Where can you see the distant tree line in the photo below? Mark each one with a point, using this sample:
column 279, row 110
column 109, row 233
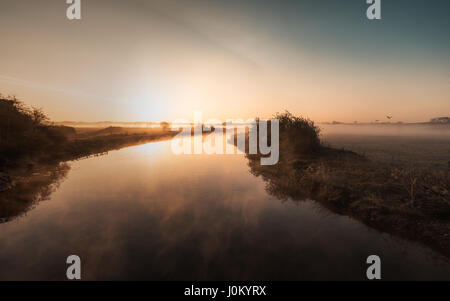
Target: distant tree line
column 440, row 120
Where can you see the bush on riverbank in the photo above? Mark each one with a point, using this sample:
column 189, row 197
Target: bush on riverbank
column 25, row 131
column 298, row 135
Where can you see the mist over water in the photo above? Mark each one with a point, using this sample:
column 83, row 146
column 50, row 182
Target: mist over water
column 144, row 213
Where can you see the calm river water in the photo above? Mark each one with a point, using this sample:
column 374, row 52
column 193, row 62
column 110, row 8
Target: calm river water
column 143, row 213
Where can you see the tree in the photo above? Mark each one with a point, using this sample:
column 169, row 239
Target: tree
column 38, row 116
column 164, row 125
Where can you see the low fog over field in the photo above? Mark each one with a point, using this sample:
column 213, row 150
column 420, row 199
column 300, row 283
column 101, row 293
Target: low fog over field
column 409, row 130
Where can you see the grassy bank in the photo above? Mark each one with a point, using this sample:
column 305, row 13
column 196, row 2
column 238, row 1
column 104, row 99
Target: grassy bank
column 407, row 201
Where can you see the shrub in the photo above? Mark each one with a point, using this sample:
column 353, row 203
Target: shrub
column 25, row 131
column 298, row 135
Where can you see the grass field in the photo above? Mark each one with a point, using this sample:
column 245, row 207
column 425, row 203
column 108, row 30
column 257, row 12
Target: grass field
column 417, row 151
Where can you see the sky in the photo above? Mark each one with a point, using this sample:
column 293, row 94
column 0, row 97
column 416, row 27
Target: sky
column 165, row 59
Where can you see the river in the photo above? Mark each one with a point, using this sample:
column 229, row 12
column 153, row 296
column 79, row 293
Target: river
column 143, row 213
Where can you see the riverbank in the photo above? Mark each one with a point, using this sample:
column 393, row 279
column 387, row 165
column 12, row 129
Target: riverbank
column 82, row 143
column 408, row 202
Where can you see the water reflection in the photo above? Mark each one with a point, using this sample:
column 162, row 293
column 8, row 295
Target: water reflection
column 142, row 213
column 33, row 186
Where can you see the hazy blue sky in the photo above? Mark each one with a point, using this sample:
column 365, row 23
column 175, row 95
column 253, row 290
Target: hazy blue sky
column 160, row 60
